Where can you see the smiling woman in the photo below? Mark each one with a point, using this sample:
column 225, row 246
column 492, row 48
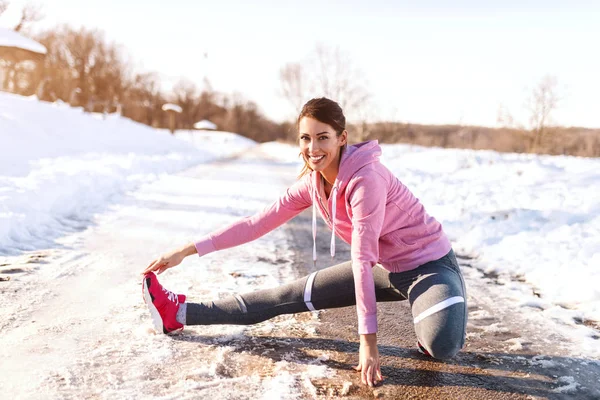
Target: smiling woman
column 322, row 137
column 398, row 251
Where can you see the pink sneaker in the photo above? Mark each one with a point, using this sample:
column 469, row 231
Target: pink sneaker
column 162, row 303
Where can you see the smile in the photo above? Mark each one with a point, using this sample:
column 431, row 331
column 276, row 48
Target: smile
column 319, row 158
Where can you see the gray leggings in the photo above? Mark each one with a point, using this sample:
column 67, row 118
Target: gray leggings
column 435, row 290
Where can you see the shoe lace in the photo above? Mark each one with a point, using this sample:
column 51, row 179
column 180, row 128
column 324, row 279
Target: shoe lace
column 171, row 296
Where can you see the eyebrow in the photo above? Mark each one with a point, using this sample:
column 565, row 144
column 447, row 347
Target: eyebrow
column 320, row 133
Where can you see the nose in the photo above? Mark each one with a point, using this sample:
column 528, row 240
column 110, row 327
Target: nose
column 313, row 145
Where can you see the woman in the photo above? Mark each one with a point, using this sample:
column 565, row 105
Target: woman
column 398, row 251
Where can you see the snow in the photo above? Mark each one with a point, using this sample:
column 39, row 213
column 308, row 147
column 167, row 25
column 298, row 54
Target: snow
column 219, row 144
column 10, row 38
column 205, row 124
column 526, row 217
column 62, row 167
column 570, row 387
column 171, row 107
column 87, row 200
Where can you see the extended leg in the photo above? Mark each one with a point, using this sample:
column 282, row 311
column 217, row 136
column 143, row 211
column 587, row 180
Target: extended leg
column 331, row 287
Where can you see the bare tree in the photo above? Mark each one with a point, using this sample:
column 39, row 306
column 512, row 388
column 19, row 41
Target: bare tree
column 60, row 77
column 328, row 71
column 542, row 102
column 207, row 103
column 144, row 100
column 29, row 14
column 186, row 96
column 107, row 75
column 293, row 85
column 339, row 79
column 242, row 114
column 83, row 69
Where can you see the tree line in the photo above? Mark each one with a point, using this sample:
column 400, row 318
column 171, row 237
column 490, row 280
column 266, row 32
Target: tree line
column 82, row 68
column 85, row 70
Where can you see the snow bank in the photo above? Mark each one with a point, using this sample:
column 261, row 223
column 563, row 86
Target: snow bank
column 60, row 165
column 526, row 217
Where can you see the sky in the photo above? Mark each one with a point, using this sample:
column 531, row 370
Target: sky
column 425, row 63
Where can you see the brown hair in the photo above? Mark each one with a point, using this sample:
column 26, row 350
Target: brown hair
column 326, row 111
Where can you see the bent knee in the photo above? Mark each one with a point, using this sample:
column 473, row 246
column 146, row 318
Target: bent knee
column 444, row 352
column 443, row 349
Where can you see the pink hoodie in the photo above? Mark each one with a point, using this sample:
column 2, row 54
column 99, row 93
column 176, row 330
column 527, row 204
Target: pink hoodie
column 369, row 208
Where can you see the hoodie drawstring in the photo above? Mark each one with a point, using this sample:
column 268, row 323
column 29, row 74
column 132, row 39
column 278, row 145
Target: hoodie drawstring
column 332, row 246
column 314, row 224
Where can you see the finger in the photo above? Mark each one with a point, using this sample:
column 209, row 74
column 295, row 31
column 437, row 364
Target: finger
column 150, row 267
column 378, row 377
column 158, row 265
column 370, row 375
column 357, row 367
column 363, row 376
column 163, row 268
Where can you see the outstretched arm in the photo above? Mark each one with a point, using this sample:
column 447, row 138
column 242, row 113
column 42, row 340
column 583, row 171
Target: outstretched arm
column 296, row 199
column 171, row 259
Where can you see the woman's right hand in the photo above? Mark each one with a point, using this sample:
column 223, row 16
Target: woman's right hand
column 369, row 363
column 170, row 259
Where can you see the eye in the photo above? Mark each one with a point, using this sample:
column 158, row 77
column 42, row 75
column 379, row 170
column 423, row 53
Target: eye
column 323, row 137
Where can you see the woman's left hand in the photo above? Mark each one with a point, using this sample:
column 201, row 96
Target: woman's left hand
column 368, row 362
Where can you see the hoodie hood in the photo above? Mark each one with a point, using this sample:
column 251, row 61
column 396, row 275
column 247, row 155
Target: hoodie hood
column 353, row 158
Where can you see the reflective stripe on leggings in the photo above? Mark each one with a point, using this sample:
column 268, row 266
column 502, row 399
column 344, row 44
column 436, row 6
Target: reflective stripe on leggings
column 241, row 303
column 438, row 307
column 308, row 291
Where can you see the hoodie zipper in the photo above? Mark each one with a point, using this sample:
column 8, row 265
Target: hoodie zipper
column 325, row 209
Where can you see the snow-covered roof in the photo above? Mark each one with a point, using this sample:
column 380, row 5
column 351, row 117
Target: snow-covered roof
column 205, row 124
column 171, row 107
column 9, row 38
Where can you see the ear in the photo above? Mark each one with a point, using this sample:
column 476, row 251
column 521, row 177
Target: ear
column 343, row 138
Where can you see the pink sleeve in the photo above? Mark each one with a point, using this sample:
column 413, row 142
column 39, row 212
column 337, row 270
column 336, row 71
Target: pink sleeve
column 367, row 198
column 295, row 200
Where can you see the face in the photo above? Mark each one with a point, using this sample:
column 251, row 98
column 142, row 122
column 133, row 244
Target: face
column 319, row 144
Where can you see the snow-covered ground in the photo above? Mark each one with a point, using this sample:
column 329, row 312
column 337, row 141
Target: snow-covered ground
column 86, row 201
column 60, row 166
column 526, row 218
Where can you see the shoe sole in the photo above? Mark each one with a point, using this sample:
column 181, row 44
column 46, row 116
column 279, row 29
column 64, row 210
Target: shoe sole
column 424, row 352
column 156, row 319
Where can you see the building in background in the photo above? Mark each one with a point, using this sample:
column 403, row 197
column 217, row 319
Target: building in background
column 20, row 59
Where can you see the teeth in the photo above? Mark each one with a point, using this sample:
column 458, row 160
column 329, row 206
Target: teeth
column 316, row 158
